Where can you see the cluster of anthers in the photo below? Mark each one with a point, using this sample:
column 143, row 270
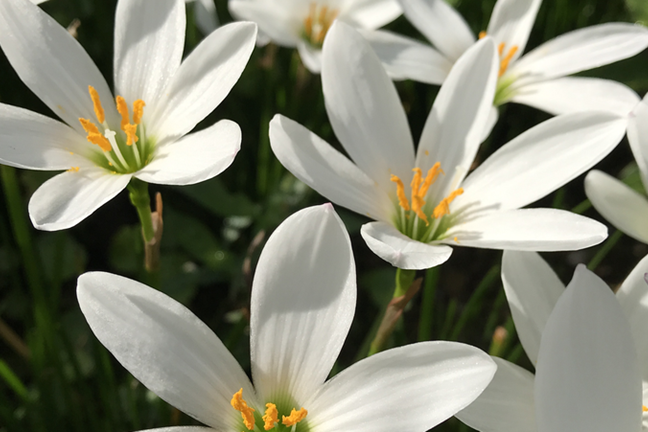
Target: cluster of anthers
column 271, row 416
column 121, row 153
column 317, row 23
column 420, row 187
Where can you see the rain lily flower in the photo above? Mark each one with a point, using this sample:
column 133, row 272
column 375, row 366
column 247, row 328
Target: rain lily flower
column 625, row 208
column 302, row 305
column 537, row 78
column 442, row 205
column 588, row 347
column 104, row 142
column 304, row 23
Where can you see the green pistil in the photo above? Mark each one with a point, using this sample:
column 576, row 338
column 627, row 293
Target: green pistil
column 133, row 162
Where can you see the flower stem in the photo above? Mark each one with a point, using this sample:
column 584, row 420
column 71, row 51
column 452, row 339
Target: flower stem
column 427, row 304
column 151, row 222
column 406, row 288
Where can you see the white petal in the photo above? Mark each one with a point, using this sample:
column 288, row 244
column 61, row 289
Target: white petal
column 542, row 230
column 441, row 24
column 411, row 388
column 204, row 79
column 277, row 23
column 406, row 58
column 364, row 108
column 320, row 166
column 370, row 14
column 532, row 290
column 50, row 62
column 511, row 23
column 310, row 56
column 205, row 16
column 303, row 300
column 149, row 39
column 33, row 141
column 196, row 157
column 633, row 298
column 541, row 160
column 580, row 50
column 623, row 207
column 165, row 346
column 460, row 114
column 638, row 137
column 180, row 429
column 507, row 404
column 66, row 199
column 567, row 95
column 587, row 377
column 401, row 251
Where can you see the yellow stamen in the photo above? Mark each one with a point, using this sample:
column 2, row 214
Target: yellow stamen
column 417, row 198
column 138, row 111
column 122, row 109
column 400, row 192
column 74, row 169
column 444, row 206
column 500, row 48
column 271, row 416
column 456, row 240
column 507, row 59
column 644, row 408
column 430, row 178
column 98, row 109
column 239, row 404
column 131, row 133
column 318, row 22
column 94, row 136
column 294, row 417
column 482, row 34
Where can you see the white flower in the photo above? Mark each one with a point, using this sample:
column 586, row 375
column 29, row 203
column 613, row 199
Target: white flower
column 478, row 210
column 625, row 208
column 101, row 148
column 304, row 23
column 538, row 78
column 302, row 305
column 589, row 349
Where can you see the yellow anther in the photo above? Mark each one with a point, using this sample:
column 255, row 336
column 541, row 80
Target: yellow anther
column 98, row 109
column 294, row 417
column 271, row 416
column 444, row 206
column 430, row 178
column 400, row 192
column 482, row 34
column 122, row 109
column 507, row 59
column 247, row 413
column 500, row 48
column 131, row 133
column 416, row 181
column 94, row 136
column 417, row 197
column 644, row 408
column 456, row 239
column 74, row 169
column 138, row 111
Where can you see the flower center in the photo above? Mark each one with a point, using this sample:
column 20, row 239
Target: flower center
column 409, row 225
column 504, row 91
column 120, row 151
column 317, row 23
column 271, row 417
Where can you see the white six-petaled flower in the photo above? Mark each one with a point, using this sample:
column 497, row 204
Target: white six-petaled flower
column 106, row 141
column 538, row 78
column 304, row 23
column 303, row 301
column 445, row 204
column 588, row 347
column 625, row 208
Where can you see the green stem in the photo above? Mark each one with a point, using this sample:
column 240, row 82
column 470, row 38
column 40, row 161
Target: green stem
column 427, row 304
column 604, row 250
column 404, row 279
column 140, row 198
